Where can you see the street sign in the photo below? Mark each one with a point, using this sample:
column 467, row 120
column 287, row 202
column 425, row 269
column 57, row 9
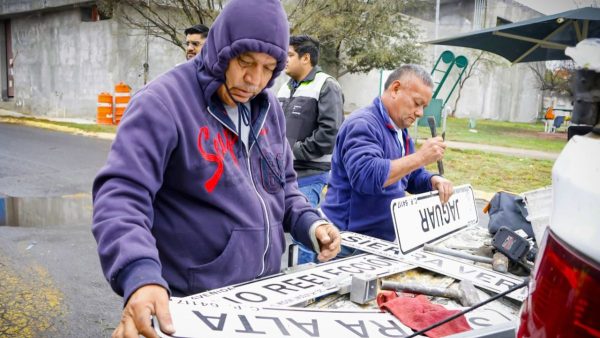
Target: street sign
column 482, row 277
column 219, row 320
column 420, row 219
column 302, row 286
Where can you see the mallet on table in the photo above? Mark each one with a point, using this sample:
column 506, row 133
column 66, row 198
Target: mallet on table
column 465, row 294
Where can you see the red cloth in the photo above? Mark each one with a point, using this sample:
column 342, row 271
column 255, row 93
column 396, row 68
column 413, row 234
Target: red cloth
column 418, row 313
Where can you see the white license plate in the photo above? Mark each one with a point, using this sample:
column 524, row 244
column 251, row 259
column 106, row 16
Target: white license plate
column 420, row 219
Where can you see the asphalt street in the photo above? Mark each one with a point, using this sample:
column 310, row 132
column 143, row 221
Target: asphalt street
column 40, row 162
column 51, row 281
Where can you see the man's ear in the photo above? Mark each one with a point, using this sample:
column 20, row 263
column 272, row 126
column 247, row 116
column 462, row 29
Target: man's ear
column 395, row 87
column 306, row 58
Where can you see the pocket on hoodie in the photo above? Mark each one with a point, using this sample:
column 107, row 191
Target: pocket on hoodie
column 240, row 261
column 272, row 173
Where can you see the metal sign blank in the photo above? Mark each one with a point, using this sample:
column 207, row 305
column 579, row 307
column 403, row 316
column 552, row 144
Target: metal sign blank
column 420, row 219
column 484, row 278
column 218, row 320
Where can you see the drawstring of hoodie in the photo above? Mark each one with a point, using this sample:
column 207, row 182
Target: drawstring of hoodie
column 244, row 116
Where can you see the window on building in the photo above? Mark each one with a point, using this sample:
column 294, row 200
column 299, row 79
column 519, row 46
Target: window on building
column 93, row 13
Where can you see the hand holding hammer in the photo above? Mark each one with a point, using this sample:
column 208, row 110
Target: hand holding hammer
column 431, row 122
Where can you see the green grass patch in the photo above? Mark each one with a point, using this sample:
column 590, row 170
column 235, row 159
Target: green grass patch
column 500, row 133
column 492, row 172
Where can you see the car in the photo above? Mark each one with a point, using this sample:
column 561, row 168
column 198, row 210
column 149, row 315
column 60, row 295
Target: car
column 564, row 289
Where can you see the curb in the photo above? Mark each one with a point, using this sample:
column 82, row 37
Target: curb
column 54, row 127
column 48, row 211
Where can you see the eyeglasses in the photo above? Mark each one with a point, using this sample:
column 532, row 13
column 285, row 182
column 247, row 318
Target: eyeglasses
column 193, row 43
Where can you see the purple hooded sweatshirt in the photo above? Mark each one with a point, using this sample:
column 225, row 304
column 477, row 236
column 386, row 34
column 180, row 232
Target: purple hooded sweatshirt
column 180, row 202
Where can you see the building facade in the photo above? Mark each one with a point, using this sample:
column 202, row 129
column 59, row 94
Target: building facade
column 57, row 56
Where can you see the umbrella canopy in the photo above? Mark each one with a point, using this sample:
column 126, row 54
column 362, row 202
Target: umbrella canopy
column 539, row 39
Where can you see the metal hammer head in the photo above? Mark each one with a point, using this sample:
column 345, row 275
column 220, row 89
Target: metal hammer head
column 363, row 288
column 467, row 293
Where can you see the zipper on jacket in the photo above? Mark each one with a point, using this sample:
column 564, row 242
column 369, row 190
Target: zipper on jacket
column 261, row 200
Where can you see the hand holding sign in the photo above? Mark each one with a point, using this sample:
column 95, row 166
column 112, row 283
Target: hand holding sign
column 420, row 219
column 443, row 186
column 144, row 302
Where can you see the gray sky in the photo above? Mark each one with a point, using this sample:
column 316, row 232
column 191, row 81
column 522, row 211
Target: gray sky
column 549, row 7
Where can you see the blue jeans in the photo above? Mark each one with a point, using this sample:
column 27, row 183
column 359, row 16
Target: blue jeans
column 311, row 187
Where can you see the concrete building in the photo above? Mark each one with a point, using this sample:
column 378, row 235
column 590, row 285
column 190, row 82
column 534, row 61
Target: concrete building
column 496, row 90
column 56, row 56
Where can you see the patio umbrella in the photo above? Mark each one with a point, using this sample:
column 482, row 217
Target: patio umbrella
column 539, row 39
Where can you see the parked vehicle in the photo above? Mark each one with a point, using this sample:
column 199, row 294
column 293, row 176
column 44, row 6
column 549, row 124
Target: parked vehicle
column 564, row 292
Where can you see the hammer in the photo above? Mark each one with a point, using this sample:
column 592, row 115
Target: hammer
column 499, row 262
column 431, row 121
column 466, row 294
column 361, row 287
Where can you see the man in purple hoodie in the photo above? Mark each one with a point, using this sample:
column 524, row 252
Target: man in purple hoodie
column 199, row 184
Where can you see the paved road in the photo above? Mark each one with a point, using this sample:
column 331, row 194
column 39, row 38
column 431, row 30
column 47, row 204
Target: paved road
column 39, row 162
column 51, row 283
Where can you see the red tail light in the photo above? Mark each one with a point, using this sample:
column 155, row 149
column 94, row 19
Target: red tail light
column 564, row 298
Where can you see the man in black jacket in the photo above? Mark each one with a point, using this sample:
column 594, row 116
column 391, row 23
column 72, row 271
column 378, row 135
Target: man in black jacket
column 313, row 105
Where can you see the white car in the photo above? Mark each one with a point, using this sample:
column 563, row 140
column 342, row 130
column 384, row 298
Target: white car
column 564, row 291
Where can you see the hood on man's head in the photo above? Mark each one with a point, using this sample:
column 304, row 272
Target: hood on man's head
column 243, row 26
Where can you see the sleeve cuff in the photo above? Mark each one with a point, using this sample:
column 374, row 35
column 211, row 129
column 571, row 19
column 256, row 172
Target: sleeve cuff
column 137, row 274
column 312, row 232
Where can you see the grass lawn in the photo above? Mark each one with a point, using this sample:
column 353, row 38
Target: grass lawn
column 492, row 172
column 500, row 133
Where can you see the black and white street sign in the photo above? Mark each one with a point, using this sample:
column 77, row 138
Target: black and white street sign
column 218, row 320
column 420, row 219
column 302, row 286
column 484, row 278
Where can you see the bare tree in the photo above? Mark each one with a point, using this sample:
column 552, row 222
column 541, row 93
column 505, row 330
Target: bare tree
column 164, row 19
column 480, row 62
column 358, row 36
column 553, row 80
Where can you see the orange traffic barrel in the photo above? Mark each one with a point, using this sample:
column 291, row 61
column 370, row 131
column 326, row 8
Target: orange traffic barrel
column 122, row 96
column 104, row 114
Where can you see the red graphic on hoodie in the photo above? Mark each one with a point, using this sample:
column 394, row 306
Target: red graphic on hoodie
column 222, row 144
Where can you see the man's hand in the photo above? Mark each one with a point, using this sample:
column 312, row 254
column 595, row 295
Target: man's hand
column 329, row 240
column 144, row 302
column 432, row 150
column 443, row 186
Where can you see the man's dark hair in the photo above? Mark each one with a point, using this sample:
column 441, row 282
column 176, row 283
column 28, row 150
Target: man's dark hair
column 197, row 29
column 304, row 44
column 409, row 69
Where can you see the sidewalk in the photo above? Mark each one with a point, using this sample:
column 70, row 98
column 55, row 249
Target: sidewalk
column 536, row 154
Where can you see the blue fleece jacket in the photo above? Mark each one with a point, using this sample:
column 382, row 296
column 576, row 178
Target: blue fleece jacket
column 180, row 202
column 356, row 199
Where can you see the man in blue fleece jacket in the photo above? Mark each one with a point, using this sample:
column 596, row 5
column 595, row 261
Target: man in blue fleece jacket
column 375, row 161
column 199, row 184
